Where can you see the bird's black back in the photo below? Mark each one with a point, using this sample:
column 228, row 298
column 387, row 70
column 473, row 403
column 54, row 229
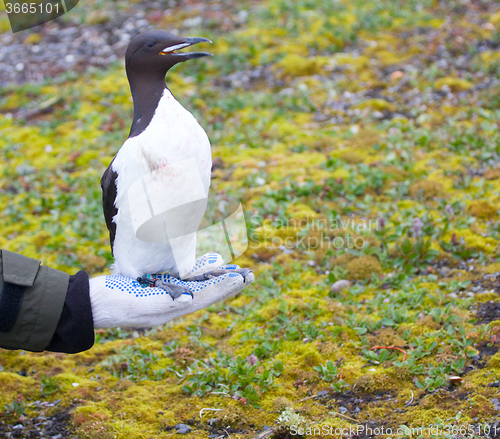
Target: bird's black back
column 108, row 185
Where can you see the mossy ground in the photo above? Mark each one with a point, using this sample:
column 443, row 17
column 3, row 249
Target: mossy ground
column 362, row 137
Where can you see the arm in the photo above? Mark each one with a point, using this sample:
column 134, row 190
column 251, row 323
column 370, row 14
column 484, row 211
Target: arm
column 46, row 309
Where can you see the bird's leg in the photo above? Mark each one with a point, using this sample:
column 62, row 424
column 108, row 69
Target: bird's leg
column 175, row 290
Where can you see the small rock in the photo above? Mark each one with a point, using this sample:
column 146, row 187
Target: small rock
column 340, row 285
column 396, row 76
column 444, row 271
column 323, row 393
column 182, row 428
column 25, row 169
column 495, row 401
column 193, row 22
column 343, row 410
column 242, row 16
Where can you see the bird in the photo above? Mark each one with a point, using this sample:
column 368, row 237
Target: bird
column 166, row 160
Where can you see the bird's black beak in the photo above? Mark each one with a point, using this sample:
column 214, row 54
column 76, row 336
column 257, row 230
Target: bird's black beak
column 172, row 50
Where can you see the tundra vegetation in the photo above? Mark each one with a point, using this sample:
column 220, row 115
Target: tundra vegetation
column 362, row 138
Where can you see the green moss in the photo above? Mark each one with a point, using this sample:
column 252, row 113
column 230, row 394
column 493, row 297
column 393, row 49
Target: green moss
column 482, row 209
column 12, row 385
column 372, row 382
column 297, row 65
column 428, row 189
column 455, row 84
column 363, row 268
column 376, row 104
column 487, row 297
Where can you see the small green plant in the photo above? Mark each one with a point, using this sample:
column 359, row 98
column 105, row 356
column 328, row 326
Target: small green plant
column 233, row 376
column 379, row 357
column 458, row 248
column 329, row 372
column 17, row 406
column 49, row 385
column 415, row 254
column 112, row 334
column 431, row 384
column 266, row 348
column 134, row 363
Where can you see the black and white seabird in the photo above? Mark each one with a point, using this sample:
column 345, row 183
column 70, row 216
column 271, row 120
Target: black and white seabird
column 163, row 135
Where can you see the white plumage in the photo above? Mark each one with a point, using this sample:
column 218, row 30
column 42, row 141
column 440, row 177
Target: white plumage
column 173, row 135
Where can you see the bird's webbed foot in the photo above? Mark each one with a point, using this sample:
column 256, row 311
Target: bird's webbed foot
column 176, row 291
column 220, row 271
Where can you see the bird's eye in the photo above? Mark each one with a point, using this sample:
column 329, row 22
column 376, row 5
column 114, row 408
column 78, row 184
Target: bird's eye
column 150, row 44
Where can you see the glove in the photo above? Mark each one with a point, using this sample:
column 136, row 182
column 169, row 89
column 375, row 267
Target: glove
column 124, row 302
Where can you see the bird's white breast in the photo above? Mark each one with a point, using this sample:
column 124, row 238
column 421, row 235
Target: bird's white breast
column 173, row 135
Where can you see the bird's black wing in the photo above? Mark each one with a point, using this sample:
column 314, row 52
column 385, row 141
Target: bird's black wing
column 108, row 185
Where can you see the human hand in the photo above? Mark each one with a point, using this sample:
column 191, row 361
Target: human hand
column 122, row 301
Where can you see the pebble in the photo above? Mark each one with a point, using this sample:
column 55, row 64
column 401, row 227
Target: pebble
column 343, row 410
column 444, row 271
column 397, row 75
column 340, row 285
column 25, row 169
column 182, row 428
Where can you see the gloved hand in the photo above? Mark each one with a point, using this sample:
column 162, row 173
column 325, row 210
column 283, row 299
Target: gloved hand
column 122, row 301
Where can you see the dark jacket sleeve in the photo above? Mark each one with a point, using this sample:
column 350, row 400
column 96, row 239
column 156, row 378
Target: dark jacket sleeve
column 42, row 308
column 75, row 330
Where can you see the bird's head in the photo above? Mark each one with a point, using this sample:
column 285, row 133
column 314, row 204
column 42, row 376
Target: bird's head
column 156, row 52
